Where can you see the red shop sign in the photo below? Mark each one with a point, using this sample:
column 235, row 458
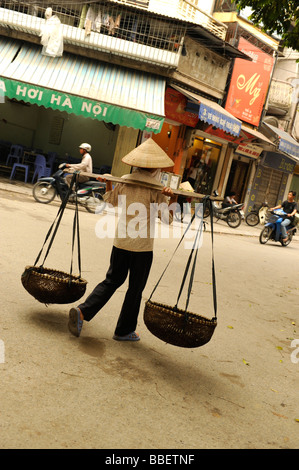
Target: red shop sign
column 249, row 84
column 175, row 108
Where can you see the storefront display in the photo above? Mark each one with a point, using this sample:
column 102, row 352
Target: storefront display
column 201, row 165
column 170, row 179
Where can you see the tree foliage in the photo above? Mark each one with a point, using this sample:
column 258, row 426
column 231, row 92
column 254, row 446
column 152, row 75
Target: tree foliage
column 280, row 17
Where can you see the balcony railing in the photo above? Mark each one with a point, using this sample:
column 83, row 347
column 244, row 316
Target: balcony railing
column 138, row 3
column 103, row 26
column 189, row 10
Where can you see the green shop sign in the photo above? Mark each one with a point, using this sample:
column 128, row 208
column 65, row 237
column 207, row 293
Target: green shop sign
column 80, row 106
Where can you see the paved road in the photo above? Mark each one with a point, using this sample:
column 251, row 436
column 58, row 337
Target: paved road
column 238, row 391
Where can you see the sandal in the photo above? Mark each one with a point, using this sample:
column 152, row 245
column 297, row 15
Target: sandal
column 130, row 337
column 75, row 323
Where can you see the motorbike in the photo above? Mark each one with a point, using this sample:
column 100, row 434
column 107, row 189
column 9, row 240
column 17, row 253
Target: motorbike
column 231, row 215
column 272, row 229
column 257, row 215
column 89, row 194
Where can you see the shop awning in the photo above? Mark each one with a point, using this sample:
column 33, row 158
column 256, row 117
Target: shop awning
column 213, row 113
column 81, row 86
column 256, row 134
column 286, row 143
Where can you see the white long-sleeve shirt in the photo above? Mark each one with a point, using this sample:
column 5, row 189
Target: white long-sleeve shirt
column 85, row 165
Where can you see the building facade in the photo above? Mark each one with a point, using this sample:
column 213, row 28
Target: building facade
column 100, row 71
column 274, row 170
column 113, row 73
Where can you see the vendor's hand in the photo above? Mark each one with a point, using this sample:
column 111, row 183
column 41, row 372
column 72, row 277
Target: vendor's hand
column 167, row 192
column 108, row 183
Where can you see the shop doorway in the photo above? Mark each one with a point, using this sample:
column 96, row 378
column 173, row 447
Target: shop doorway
column 202, row 165
column 237, row 180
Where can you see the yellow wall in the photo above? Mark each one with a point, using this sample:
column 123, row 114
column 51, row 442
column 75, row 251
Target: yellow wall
column 232, row 17
column 167, row 139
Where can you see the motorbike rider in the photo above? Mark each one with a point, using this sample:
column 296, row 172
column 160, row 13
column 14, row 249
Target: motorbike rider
column 85, row 165
column 290, row 208
column 229, row 200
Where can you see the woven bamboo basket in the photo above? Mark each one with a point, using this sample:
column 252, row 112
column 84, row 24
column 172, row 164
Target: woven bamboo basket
column 177, row 327
column 50, row 286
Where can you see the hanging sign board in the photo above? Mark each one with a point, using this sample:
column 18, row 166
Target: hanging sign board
column 80, row 106
column 249, row 84
column 249, row 150
column 176, row 108
column 280, row 162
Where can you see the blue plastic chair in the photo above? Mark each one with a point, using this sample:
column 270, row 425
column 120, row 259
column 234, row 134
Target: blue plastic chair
column 104, row 169
column 14, row 169
column 51, row 159
column 40, row 168
column 15, row 153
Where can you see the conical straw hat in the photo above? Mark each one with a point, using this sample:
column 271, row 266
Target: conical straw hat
column 186, row 186
column 148, row 155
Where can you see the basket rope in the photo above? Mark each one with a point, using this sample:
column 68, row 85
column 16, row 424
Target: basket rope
column 50, row 285
column 57, row 221
column 193, row 253
column 175, row 325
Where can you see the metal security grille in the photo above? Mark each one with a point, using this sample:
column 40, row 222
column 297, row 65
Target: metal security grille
column 269, row 187
column 108, row 18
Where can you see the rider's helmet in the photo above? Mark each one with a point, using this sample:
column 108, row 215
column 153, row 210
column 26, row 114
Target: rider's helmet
column 85, row 146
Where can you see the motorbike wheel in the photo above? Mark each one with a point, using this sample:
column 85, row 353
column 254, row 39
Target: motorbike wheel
column 234, row 219
column 252, row 219
column 265, row 235
column 290, row 236
column 207, row 212
column 43, row 192
column 95, row 203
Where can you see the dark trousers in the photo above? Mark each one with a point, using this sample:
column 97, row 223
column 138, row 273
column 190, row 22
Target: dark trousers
column 122, row 262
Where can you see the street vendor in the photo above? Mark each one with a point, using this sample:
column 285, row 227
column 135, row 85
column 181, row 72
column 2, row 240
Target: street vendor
column 131, row 253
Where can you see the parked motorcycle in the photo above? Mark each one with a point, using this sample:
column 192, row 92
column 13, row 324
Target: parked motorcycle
column 272, row 229
column 89, row 194
column 257, row 215
column 231, row 215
